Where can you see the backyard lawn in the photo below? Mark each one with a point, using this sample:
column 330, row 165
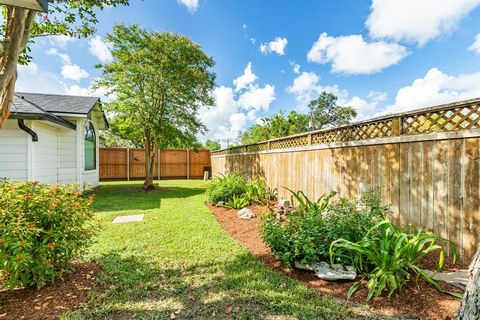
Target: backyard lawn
column 179, row 263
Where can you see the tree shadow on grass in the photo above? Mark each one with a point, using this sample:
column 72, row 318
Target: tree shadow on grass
column 120, row 197
column 241, row 287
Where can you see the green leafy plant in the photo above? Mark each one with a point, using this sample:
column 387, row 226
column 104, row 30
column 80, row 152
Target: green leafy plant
column 309, row 230
column 42, row 227
column 225, row 187
column 258, row 191
column 388, row 257
column 237, row 202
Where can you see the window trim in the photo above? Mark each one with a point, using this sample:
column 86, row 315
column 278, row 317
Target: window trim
column 89, row 123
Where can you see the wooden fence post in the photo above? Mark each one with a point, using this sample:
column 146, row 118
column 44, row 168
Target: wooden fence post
column 397, row 126
column 128, row 164
column 309, row 139
column 188, row 164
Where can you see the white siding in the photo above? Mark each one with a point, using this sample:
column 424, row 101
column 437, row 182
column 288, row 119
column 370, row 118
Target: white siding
column 13, row 151
column 67, row 156
column 57, row 156
column 45, row 153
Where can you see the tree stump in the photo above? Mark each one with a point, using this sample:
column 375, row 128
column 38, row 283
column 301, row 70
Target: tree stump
column 470, row 308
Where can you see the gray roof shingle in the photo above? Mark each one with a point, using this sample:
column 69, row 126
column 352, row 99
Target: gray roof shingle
column 54, row 103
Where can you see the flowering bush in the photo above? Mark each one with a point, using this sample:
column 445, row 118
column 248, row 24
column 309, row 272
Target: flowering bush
column 42, row 228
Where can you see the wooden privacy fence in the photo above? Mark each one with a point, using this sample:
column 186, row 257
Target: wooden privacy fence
column 126, row 164
column 426, row 163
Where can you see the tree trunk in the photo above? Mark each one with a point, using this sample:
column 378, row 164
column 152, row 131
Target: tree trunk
column 19, row 25
column 470, row 308
column 149, row 164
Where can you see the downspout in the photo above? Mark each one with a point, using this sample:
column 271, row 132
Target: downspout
column 21, row 125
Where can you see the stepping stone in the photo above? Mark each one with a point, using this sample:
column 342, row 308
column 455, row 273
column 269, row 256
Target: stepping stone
column 458, row 279
column 123, row 219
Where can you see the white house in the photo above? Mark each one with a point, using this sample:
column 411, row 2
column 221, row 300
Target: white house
column 52, row 138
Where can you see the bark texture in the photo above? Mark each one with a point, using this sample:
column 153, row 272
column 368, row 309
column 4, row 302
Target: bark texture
column 17, row 33
column 470, row 308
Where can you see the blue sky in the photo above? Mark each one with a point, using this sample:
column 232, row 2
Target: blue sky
column 377, row 56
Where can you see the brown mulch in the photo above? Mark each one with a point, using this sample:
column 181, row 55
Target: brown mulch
column 52, row 301
column 422, row 303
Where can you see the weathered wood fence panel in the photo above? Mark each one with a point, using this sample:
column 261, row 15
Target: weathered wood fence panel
column 125, row 163
column 431, row 179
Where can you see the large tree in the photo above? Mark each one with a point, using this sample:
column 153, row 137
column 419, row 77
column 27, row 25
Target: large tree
column 159, row 81
column 19, row 26
column 324, row 111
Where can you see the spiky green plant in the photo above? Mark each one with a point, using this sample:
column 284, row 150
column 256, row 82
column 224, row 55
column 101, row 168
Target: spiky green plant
column 388, row 257
column 237, row 202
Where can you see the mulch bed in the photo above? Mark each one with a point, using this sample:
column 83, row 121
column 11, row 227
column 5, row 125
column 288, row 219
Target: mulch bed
column 52, row 301
column 422, row 303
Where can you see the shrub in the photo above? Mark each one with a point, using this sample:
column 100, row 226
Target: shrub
column 225, row 187
column 308, row 231
column 42, row 227
column 388, row 257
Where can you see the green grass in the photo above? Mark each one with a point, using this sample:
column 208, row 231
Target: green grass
column 180, row 260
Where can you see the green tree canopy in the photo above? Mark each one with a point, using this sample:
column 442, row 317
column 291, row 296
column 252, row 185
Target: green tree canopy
column 323, row 112
column 159, row 81
column 278, row 125
column 212, row 144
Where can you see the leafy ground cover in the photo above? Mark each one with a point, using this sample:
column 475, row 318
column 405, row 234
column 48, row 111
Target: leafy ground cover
column 180, row 263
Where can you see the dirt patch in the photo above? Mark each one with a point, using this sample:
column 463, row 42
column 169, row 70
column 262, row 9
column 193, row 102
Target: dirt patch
column 423, row 302
column 52, row 301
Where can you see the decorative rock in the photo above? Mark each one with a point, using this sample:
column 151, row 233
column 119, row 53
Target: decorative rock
column 246, row 213
column 283, row 203
column 299, row 265
column 220, row 203
column 324, row 271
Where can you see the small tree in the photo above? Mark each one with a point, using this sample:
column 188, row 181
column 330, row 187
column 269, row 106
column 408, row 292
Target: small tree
column 324, row 111
column 75, row 18
column 160, row 80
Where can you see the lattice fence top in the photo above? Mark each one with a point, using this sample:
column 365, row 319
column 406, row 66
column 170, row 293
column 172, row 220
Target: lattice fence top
column 461, row 115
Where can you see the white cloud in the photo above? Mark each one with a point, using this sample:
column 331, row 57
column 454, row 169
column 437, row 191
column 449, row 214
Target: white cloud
column 235, row 109
column 73, row 72
column 416, row 20
column 192, row 5
column 353, row 55
column 436, row 87
column 307, row 87
column 32, row 78
column 246, row 79
column 100, row 49
column 63, row 56
column 257, row 98
column 278, row 46
column 476, row 44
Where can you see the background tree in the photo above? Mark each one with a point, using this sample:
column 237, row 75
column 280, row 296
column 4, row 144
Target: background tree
column 19, row 26
column 160, row 80
column 324, row 111
column 212, row 145
column 278, row 125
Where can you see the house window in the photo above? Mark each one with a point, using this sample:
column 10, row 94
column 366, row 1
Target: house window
column 90, row 146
